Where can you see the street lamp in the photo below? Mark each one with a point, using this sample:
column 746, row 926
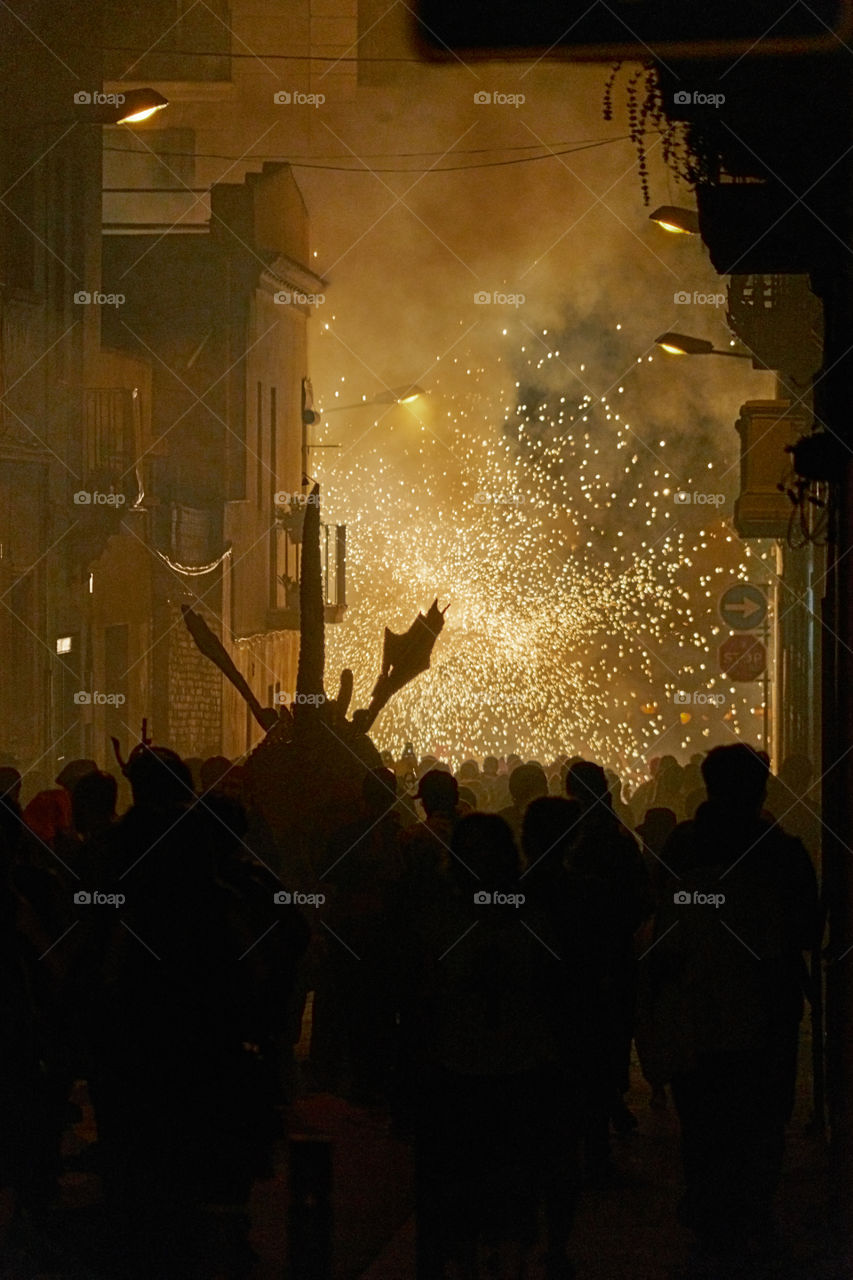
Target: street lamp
column 679, row 221
column 140, row 104
column 394, row 395
column 116, row 108
column 682, row 344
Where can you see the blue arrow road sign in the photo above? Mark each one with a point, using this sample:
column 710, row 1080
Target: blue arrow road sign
column 743, row 607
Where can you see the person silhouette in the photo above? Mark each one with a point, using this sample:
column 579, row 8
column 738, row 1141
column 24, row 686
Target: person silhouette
column 487, row 1047
column 172, row 1026
column 727, row 981
column 608, row 853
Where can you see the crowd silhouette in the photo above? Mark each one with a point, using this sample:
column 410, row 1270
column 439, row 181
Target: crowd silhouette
column 477, row 952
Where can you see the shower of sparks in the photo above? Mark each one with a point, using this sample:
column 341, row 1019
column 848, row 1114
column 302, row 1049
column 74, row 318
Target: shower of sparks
column 582, row 595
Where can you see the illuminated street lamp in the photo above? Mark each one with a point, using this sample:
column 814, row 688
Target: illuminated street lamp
column 679, row 221
column 140, row 104
column 392, row 395
column 682, row 344
column 130, row 107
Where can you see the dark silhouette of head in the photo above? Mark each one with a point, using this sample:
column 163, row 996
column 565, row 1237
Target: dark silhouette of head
column 438, row 792
column 10, row 783
column 586, row 782
column 736, row 777
column 656, row 828
column 484, row 843
column 212, row 771
column 467, row 771
column 526, row 782
column 71, row 772
column 490, row 767
column 548, row 828
column 668, row 781
column 159, row 778
column 93, row 802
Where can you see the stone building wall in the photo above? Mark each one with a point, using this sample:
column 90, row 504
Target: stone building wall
column 195, row 690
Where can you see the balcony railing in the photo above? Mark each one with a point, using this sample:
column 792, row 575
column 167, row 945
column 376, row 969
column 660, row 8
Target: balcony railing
column 284, row 615
column 110, row 430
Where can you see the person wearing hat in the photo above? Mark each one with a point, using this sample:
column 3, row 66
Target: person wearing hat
column 426, row 845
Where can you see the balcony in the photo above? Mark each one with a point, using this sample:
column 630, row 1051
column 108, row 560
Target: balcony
column 111, row 435
column 190, row 537
column 779, row 319
column 284, row 615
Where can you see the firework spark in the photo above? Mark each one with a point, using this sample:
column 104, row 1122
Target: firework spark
column 582, row 598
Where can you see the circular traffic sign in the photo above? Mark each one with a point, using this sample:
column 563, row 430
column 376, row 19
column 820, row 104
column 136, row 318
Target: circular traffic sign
column 743, row 607
column 743, row 658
